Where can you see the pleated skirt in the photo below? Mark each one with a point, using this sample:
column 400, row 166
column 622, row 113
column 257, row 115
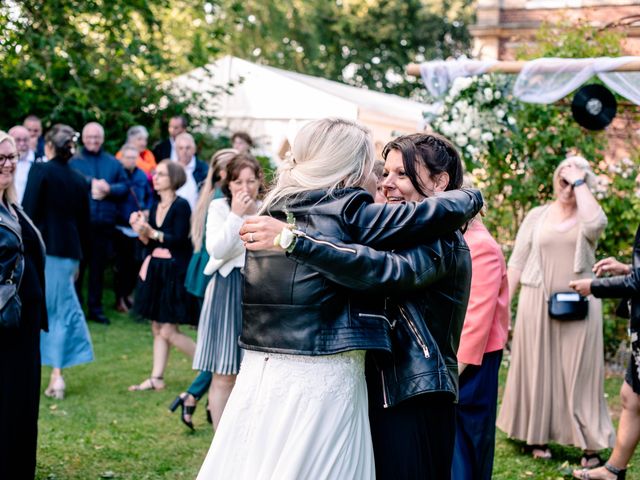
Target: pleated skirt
column 220, row 324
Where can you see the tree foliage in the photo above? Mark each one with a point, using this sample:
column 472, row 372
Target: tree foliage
column 75, row 61
column 359, row 42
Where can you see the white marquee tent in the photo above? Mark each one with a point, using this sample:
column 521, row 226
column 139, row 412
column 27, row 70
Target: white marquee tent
column 272, row 104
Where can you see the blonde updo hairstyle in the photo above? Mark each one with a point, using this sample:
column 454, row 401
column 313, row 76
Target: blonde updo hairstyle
column 327, row 154
column 590, row 177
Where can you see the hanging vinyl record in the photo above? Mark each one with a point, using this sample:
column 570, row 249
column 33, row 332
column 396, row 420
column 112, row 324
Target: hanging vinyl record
column 593, row 107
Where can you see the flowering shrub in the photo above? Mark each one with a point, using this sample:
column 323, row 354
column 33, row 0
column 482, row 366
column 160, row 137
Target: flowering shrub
column 477, row 112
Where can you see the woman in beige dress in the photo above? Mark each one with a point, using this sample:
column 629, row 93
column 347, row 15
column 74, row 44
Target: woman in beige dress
column 555, row 385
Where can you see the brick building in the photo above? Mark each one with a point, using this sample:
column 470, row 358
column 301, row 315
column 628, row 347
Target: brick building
column 502, row 25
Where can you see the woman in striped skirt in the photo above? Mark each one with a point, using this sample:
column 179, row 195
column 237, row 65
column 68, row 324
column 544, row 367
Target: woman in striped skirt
column 217, row 349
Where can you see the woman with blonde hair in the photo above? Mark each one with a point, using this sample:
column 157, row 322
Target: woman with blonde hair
column 555, row 385
column 299, row 406
column 24, row 313
column 197, row 281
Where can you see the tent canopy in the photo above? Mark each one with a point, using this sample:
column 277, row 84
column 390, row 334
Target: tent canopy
column 272, row 104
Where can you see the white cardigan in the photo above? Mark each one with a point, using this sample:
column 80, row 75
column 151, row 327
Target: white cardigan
column 224, row 245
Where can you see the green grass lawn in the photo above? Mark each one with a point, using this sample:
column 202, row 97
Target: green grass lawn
column 103, row 431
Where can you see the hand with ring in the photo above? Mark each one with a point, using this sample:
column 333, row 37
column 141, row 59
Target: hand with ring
column 258, row 233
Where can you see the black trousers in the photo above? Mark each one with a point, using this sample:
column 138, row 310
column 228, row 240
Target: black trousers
column 20, row 396
column 127, row 262
column 414, row 439
column 96, row 259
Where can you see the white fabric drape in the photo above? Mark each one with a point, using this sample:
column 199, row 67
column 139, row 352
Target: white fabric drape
column 547, row 80
column 438, row 75
column 544, row 80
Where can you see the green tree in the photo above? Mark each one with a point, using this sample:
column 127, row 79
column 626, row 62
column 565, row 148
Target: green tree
column 74, row 61
column 360, row 42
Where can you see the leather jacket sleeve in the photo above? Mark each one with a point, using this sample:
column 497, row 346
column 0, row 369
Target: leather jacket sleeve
column 385, row 226
column 360, row 267
column 617, row 287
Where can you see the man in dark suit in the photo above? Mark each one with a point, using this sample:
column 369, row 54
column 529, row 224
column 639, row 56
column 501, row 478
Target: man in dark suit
column 108, row 184
column 166, row 148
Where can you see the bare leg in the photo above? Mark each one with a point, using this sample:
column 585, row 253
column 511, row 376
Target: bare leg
column 160, row 357
column 179, row 340
column 627, row 438
column 219, row 391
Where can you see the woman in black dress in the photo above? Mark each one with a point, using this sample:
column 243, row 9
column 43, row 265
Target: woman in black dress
column 161, row 295
column 20, row 346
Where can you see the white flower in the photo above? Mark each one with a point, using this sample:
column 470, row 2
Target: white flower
column 487, row 137
column 461, row 140
column 474, row 133
column 511, row 121
column 498, row 94
column 499, row 112
column 488, row 94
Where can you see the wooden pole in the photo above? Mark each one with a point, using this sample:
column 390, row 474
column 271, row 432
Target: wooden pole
column 516, row 67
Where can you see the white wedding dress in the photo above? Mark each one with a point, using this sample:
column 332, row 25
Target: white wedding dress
column 293, row 417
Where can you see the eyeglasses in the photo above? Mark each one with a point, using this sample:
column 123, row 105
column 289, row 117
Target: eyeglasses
column 10, row 158
column 160, row 174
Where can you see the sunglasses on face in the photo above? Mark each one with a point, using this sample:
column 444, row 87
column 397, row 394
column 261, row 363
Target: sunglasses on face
column 564, row 184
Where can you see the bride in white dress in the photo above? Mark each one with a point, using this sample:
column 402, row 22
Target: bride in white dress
column 294, row 416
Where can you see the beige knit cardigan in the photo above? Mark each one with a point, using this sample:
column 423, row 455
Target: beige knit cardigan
column 526, row 251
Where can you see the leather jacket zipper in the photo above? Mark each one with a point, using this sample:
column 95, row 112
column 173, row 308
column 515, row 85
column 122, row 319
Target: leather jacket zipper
column 385, row 400
column 323, row 242
column 416, row 333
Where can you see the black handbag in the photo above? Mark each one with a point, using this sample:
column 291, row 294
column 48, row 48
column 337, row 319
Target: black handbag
column 10, row 303
column 568, row 306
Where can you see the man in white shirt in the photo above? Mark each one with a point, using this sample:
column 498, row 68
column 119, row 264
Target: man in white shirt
column 195, row 169
column 26, row 157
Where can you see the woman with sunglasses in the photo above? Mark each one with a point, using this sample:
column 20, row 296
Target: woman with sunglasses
column 555, row 386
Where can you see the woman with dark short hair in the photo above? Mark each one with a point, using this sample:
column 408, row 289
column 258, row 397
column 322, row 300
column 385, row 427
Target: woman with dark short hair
column 161, row 296
column 58, row 203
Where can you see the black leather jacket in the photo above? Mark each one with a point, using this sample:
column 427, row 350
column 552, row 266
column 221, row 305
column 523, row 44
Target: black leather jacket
column 12, row 262
column 427, row 291
column 291, row 308
column 624, row 286
column 11, row 257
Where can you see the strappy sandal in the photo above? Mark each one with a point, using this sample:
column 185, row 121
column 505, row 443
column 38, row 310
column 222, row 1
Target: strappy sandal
column 185, row 409
column 584, row 474
column 148, row 384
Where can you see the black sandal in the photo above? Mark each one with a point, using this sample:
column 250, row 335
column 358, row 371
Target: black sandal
column 185, row 410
